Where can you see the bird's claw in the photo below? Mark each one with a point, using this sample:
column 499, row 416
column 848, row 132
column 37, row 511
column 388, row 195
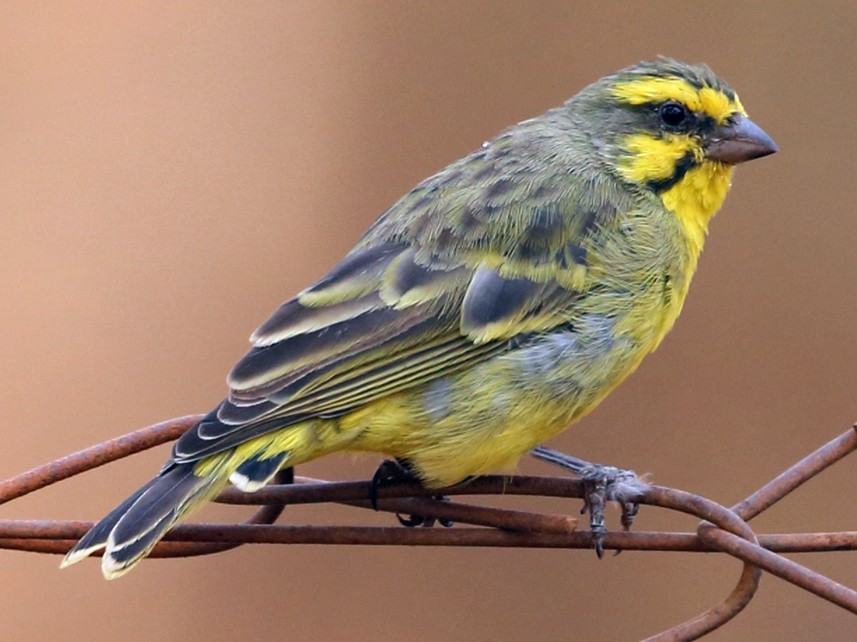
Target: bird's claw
column 389, row 472
column 426, row 522
column 395, row 471
column 629, row 512
column 601, row 484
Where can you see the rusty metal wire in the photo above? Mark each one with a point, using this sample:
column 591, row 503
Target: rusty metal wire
column 723, row 530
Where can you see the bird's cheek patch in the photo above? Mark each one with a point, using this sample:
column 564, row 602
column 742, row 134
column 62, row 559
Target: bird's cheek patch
column 650, row 159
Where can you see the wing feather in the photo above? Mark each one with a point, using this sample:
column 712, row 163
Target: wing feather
column 459, row 270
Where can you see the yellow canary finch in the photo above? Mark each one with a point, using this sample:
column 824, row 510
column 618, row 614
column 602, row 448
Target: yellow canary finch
column 493, row 305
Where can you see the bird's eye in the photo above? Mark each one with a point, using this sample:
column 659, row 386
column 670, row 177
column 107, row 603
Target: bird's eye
column 673, row 114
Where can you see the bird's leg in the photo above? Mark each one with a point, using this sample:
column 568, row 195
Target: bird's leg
column 400, row 471
column 601, row 484
column 285, row 476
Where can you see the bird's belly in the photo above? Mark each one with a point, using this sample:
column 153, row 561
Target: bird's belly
column 482, row 420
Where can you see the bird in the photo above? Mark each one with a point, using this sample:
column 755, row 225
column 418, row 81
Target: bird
column 488, row 309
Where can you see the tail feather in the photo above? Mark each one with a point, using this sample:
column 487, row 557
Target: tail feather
column 131, row 530
column 256, row 472
column 96, row 537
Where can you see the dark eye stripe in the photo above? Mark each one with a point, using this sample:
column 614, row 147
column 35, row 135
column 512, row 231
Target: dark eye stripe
column 698, row 122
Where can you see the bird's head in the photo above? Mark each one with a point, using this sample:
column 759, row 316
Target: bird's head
column 675, row 129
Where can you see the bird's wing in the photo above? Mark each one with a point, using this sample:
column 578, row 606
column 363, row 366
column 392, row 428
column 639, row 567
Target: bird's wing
column 411, row 303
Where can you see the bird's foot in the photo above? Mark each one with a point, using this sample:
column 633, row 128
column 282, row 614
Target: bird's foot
column 601, row 484
column 426, row 522
column 400, row 471
column 389, row 473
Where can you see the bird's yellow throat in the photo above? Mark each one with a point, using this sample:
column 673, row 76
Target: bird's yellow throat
column 696, row 198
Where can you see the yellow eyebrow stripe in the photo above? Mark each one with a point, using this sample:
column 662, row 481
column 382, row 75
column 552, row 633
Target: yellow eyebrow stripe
column 657, row 90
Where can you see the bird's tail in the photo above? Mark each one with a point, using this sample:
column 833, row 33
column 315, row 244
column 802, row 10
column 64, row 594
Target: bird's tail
column 133, row 528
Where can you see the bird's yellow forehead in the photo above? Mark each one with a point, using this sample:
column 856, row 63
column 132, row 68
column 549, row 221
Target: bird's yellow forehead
column 708, row 100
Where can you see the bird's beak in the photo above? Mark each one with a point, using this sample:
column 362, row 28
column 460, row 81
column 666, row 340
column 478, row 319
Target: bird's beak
column 738, row 142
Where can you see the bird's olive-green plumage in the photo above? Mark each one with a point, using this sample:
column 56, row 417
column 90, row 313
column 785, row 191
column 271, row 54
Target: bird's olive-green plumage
column 485, row 311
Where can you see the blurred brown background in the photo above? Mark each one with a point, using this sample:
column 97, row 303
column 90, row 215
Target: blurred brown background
column 170, row 172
